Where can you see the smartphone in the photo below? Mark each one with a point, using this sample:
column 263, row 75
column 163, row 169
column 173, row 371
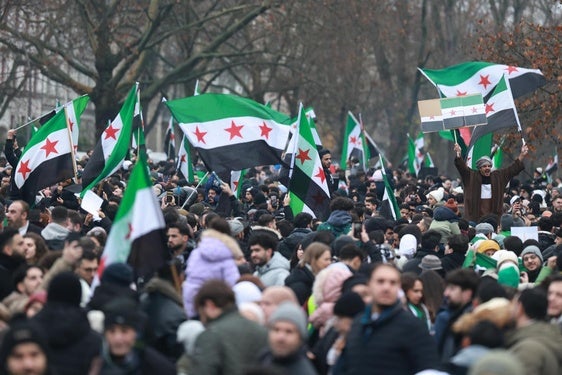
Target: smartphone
column 217, row 178
column 357, row 229
column 169, row 197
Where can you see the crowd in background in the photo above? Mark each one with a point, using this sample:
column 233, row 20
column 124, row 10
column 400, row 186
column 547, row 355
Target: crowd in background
column 254, row 288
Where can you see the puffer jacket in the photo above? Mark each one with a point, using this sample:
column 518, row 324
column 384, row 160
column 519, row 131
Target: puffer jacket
column 213, row 258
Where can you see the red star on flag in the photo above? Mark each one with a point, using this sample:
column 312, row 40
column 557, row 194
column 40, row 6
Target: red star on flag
column 453, row 112
column 460, row 93
column 130, row 232
column 111, row 132
column 318, row 199
column 70, row 124
column 303, row 156
column 321, row 174
column 265, row 130
column 24, row 169
column 511, row 69
column 485, row 81
column 49, row 147
column 352, row 140
column 182, row 159
column 432, row 117
column 200, row 135
column 490, row 108
column 235, row 183
column 172, row 137
column 234, row 130
column 474, row 110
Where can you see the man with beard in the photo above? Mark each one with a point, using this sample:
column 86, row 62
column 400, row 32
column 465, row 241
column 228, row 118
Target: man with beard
column 27, row 280
column 271, row 267
column 484, row 189
column 178, row 241
column 386, row 337
column 532, row 261
column 461, row 285
column 12, row 256
column 18, row 218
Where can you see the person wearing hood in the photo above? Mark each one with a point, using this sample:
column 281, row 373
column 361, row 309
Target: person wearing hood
column 446, row 222
column 271, row 267
column 56, row 232
column 340, row 218
column 484, row 189
column 74, row 346
column 534, row 341
column 214, row 258
column 162, row 302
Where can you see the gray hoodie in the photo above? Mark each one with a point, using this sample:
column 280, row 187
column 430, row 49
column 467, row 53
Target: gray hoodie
column 275, row 271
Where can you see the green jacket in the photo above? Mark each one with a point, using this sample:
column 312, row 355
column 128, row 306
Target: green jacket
column 228, row 345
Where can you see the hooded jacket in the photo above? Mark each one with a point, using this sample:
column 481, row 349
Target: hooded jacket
column 338, row 223
column 275, row 271
column 73, row 344
column 539, row 347
column 213, row 258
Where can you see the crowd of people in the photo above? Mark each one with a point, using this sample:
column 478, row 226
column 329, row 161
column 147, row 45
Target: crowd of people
column 254, row 288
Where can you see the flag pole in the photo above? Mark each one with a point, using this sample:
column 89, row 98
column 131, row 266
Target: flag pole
column 32, row 121
column 194, row 190
column 514, row 109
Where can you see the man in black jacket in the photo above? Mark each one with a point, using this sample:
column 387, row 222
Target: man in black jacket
column 386, row 339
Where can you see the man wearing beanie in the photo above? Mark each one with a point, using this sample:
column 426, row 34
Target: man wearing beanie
column 24, row 351
column 386, row 337
column 123, row 353
column 73, row 344
column 287, row 336
column 532, row 261
column 484, row 188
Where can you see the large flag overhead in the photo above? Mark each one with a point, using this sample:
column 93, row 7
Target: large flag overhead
column 113, row 147
column 231, row 133
column 481, row 77
column 48, row 157
column 308, row 186
column 354, row 143
column 137, row 234
column 185, row 164
column 500, row 111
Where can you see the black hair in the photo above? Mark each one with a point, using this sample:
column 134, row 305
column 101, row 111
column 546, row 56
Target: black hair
column 465, row 278
column 487, row 334
column 534, row 303
column 263, row 238
column 458, row 243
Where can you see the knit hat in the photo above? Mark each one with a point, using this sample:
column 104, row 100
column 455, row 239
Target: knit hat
column 123, row 311
column 502, row 256
column 408, row 246
column 65, row 288
column 236, row 227
column 484, row 228
column 488, row 245
column 118, row 273
column 259, row 198
column 514, row 199
column 246, row 291
column 377, row 175
column 483, row 161
column 340, row 242
column 349, row 305
column 497, row 362
column 532, row 249
column 21, row 332
column 509, row 276
column 290, row 312
column 430, row 262
column 436, row 194
column 452, row 205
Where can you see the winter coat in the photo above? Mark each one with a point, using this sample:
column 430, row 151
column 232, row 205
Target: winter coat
column 55, row 235
column 8, row 264
column 274, row 272
column 395, row 343
column 288, row 246
column 446, row 223
column 472, row 183
column 539, row 348
column 300, row 281
column 213, row 258
column 73, row 344
column 143, row 361
column 448, row 342
column 107, row 292
column 339, row 223
column 163, row 304
column 229, row 345
column 452, row 261
column 296, row 363
column 326, row 291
